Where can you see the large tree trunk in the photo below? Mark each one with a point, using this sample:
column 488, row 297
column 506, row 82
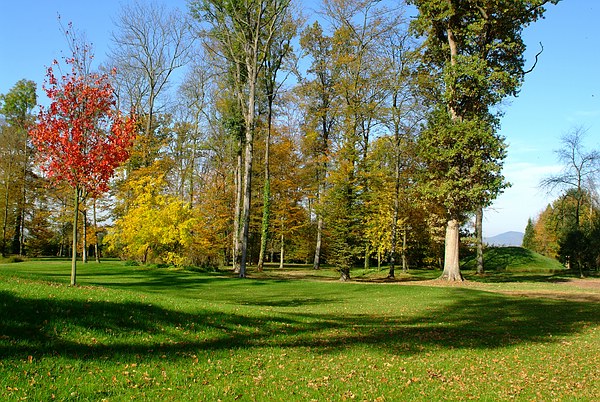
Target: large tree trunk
column 238, row 211
column 248, row 155
column 264, row 235
column 74, row 252
column 479, row 239
column 451, row 263
column 247, row 192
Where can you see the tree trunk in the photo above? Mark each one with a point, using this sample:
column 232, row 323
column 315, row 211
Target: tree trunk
column 4, row 226
column 317, row 259
column 264, row 235
column 282, row 248
column 479, row 239
column 16, row 241
column 248, row 155
column 345, row 274
column 96, row 246
column 282, row 251
column 404, row 261
column 74, row 252
column 84, row 250
column 238, row 211
column 451, row 262
column 246, row 206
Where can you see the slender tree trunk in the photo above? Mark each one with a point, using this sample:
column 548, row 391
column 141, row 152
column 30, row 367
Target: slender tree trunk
column 479, row 239
column 23, row 198
column 238, row 211
column 75, row 223
column 404, row 261
column 264, row 235
column 148, row 128
column 16, row 241
column 317, row 259
column 451, row 262
column 396, row 212
column 282, row 247
column 96, row 246
column 84, row 250
column 5, row 223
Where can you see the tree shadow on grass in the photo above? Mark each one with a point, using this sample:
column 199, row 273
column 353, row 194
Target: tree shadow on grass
column 93, row 330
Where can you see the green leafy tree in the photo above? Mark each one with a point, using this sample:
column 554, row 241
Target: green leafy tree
column 17, row 108
column 529, row 236
column 475, row 51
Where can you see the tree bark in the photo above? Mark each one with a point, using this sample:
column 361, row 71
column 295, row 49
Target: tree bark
column 479, row 239
column 238, row 211
column 84, row 250
column 264, row 235
column 451, row 262
column 96, row 246
column 317, row 259
column 74, row 252
column 404, row 260
column 4, row 226
column 282, row 247
column 247, row 187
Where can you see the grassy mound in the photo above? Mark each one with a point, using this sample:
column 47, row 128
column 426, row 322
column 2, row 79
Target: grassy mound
column 515, row 259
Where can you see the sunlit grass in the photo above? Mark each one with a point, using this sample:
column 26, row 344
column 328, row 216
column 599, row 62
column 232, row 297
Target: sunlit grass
column 134, row 333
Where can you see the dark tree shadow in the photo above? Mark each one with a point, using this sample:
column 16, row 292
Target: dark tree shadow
column 473, row 319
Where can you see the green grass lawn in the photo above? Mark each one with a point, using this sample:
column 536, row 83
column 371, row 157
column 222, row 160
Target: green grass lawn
column 129, row 333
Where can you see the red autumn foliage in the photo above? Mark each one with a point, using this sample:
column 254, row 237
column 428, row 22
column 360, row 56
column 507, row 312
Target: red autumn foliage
column 81, row 137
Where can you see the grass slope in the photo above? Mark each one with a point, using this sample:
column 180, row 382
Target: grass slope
column 129, row 333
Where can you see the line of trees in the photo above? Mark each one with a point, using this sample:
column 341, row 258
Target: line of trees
column 569, row 227
column 263, row 137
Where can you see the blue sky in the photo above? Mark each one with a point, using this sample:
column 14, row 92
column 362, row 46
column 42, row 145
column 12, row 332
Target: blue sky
column 562, row 92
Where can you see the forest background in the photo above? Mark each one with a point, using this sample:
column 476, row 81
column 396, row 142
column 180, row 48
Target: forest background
column 556, row 96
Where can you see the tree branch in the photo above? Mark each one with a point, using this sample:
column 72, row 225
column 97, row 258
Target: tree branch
column 536, row 60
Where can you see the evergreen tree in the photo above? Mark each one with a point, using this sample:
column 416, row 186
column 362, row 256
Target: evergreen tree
column 529, row 236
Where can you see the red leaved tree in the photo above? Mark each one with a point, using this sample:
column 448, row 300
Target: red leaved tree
column 81, row 137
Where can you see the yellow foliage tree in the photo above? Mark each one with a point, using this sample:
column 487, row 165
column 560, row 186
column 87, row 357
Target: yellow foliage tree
column 157, row 227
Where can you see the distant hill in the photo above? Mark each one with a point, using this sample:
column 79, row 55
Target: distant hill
column 505, row 239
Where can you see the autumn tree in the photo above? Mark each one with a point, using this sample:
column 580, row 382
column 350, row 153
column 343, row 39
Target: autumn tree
column 320, row 103
column 357, row 45
column 475, row 52
column 576, row 181
column 242, row 33
column 80, row 137
column 156, row 227
column 278, row 53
